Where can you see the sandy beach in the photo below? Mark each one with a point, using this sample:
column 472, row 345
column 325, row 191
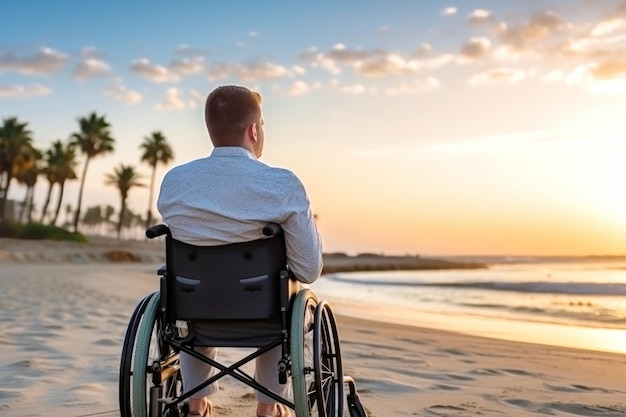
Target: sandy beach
column 64, row 311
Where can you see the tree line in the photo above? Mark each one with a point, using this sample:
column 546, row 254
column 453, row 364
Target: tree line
column 21, row 162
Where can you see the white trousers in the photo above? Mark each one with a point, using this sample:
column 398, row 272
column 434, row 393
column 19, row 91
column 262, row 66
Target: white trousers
column 195, row 372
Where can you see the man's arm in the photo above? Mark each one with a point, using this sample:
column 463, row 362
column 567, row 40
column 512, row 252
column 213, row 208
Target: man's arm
column 303, row 242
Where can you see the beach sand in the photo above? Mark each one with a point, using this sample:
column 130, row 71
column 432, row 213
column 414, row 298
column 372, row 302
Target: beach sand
column 64, row 311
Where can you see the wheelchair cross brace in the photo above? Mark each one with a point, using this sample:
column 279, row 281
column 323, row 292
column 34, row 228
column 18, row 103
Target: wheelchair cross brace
column 232, row 370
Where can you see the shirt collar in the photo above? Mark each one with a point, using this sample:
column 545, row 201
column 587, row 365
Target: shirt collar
column 232, row 151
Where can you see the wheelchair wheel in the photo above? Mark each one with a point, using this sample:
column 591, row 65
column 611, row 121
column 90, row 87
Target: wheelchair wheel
column 316, row 367
column 327, row 362
column 155, row 368
column 126, row 362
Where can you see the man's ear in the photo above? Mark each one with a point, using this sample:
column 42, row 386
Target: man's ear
column 253, row 131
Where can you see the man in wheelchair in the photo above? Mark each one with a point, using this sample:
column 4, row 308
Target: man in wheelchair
column 228, row 197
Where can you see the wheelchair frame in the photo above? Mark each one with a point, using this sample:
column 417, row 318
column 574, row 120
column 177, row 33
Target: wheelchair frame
column 150, row 383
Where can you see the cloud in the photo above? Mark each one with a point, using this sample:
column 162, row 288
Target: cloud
column 155, row 73
column 296, row 88
column 220, row 71
column 448, row 11
column 539, row 26
column 173, row 100
column 90, row 68
column 500, row 75
column 338, row 55
column 298, row 70
column 601, row 39
column 299, row 88
column 607, row 27
column 506, row 53
column 423, row 50
column 33, row 90
column 45, row 61
column 187, row 66
column 385, row 65
column 415, row 87
column 177, row 99
column 607, row 79
column 610, row 69
column 257, row 71
column 476, row 48
column 437, row 62
column 375, row 63
column 480, row 17
column 124, row 94
column 342, row 54
column 252, row 71
column 319, row 60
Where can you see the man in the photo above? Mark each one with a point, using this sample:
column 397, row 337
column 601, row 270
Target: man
column 228, row 197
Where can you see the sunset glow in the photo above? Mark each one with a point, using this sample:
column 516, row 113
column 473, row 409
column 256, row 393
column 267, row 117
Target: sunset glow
column 468, row 127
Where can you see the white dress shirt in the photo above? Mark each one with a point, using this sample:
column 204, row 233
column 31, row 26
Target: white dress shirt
column 230, row 196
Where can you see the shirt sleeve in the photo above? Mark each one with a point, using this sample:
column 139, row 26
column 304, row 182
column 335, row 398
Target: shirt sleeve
column 302, row 240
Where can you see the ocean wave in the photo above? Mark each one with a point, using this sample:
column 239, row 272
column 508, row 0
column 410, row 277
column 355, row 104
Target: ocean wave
column 573, row 288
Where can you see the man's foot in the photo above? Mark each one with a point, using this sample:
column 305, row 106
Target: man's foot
column 272, row 410
column 200, row 407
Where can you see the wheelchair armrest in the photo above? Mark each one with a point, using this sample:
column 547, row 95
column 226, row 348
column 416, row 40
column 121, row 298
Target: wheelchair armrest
column 272, row 229
column 162, row 270
column 156, row 231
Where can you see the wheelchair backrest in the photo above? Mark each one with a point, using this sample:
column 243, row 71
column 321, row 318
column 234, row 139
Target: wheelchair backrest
column 239, row 281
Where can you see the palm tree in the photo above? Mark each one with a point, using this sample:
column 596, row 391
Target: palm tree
column 124, row 177
column 26, row 171
column 109, row 211
column 155, row 150
column 15, row 143
column 93, row 217
column 93, row 139
column 60, row 164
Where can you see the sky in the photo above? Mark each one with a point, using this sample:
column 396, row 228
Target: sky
column 417, row 127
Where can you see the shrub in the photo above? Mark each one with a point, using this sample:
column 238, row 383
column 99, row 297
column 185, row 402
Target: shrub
column 37, row 231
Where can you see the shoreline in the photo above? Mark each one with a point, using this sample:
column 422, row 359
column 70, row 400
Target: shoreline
column 66, row 322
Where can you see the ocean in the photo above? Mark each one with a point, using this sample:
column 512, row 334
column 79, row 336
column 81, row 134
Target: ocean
column 571, row 302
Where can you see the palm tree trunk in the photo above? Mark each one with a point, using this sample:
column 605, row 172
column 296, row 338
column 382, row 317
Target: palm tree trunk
column 5, row 194
column 31, row 204
column 47, row 202
column 24, row 206
column 80, row 195
column 150, row 198
column 121, row 219
column 58, row 209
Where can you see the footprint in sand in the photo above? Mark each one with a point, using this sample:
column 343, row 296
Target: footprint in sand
column 578, row 409
column 577, row 388
column 444, row 410
column 588, row 410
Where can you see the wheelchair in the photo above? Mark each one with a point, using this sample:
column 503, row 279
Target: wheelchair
column 239, row 295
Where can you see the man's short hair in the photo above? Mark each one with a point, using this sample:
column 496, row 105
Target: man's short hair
column 228, row 111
